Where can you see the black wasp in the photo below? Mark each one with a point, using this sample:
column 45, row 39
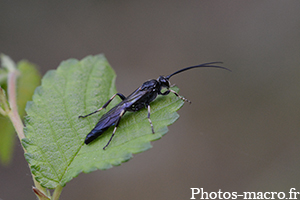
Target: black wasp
column 140, row 98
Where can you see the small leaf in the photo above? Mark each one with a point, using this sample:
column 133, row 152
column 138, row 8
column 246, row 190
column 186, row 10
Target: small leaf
column 40, row 194
column 7, row 136
column 3, row 76
column 28, row 80
column 55, row 135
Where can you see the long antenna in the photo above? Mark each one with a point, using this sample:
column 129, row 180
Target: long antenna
column 196, row 66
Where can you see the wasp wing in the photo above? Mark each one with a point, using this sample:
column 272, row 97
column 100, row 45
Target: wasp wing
column 106, row 121
column 139, row 98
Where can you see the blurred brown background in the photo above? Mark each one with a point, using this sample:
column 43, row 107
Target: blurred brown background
column 241, row 133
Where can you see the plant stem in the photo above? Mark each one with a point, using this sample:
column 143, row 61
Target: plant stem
column 12, row 99
column 14, row 115
column 11, row 110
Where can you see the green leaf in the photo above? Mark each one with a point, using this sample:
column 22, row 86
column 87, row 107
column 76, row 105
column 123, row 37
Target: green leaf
column 28, row 80
column 7, row 136
column 3, row 76
column 55, row 135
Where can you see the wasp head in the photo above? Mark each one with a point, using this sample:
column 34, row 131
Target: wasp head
column 163, row 82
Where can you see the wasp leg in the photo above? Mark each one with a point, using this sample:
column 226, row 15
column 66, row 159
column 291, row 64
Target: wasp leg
column 181, row 97
column 116, row 126
column 105, row 105
column 148, row 106
column 165, row 93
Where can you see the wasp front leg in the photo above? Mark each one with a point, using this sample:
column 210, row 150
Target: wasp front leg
column 181, row 97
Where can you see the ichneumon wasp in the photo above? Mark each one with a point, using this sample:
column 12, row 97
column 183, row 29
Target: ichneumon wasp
column 140, row 98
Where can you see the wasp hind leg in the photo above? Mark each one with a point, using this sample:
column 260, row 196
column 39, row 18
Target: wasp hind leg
column 148, row 106
column 116, row 126
column 105, row 105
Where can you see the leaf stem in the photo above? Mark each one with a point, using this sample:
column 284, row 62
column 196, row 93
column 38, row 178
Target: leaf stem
column 57, row 192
